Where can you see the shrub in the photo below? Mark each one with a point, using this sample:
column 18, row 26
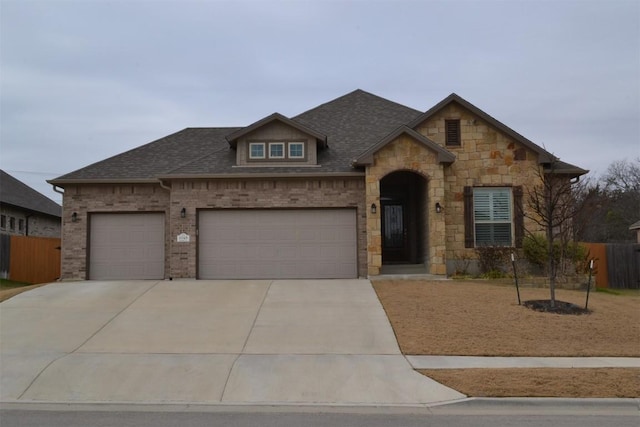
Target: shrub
column 492, row 259
column 536, row 252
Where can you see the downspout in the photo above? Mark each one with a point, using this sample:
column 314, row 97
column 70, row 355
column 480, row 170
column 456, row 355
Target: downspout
column 164, row 186
column 26, row 225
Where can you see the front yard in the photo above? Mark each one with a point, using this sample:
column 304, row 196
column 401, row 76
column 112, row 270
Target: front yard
column 481, row 319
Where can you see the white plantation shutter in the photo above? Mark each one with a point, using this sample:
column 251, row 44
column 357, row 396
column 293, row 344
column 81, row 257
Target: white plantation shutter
column 492, row 213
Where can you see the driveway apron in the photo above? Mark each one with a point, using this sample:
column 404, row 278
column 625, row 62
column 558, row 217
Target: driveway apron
column 206, row 342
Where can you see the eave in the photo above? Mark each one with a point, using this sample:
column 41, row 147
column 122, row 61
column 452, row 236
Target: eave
column 233, row 137
column 443, row 155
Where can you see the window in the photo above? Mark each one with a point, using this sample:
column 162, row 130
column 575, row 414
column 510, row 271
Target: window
column 452, row 132
column 21, row 225
column 256, row 150
column 3, row 221
column 276, row 150
column 296, row 150
column 492, row 215
column 12, row 223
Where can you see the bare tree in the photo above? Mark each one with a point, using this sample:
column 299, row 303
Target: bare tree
column 552, row 207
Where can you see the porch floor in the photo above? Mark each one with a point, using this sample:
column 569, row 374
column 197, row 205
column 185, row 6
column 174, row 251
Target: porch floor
column 406, row 272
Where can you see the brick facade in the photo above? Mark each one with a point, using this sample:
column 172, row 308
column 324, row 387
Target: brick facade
column 29, row 223
column 257, row 193
column 103, row 198
column 193, row 195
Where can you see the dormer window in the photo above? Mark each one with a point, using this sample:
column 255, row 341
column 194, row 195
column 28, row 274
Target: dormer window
column 276, row 150
column 296, row 150
column 256, row 150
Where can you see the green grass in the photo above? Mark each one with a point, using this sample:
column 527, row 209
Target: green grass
column 626, row 292
column 10, row 284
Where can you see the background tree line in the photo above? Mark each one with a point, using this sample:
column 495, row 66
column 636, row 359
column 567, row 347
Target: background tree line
column 609, row 204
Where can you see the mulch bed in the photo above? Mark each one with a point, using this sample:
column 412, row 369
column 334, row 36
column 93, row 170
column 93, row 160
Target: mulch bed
column 559, row 307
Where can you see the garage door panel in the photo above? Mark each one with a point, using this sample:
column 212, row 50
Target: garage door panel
column 126, row 246
column 250, row 244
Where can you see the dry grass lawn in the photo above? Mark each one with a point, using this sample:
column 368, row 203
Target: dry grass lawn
column 540, row 382
column 481, row 319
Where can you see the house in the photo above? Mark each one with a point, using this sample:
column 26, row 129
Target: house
column 636, row 227
column 26, row 212
column 345, row 189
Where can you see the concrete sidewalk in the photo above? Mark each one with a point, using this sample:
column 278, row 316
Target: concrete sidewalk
column 466, row 362
column 324, row 342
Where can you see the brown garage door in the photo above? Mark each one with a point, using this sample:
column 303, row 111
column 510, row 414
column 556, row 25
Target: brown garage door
column 126, row 246
column 277, row 244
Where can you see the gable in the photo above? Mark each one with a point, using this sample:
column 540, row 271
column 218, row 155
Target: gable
column 278, row 143
column 275, row 118
column 476, row 132
column 442, row 155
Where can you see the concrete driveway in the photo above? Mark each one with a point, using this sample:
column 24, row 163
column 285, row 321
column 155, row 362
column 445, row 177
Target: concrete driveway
column 206, row 342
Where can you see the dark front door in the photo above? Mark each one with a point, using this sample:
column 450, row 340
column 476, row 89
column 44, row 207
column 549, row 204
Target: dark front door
column 395, row 247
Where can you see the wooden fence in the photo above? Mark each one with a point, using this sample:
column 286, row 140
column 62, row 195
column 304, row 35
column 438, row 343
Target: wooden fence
column 616, row 266
column 31, row 259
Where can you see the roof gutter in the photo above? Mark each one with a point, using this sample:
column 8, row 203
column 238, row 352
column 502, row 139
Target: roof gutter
column 264, row 175
column 61, row 182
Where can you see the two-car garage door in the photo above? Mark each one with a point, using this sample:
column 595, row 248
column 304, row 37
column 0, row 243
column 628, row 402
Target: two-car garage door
column 276, row 243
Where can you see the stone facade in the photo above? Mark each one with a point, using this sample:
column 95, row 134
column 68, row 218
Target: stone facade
column 486, row 157
column 406, row 154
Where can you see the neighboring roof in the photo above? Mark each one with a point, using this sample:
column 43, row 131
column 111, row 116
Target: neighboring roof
column 635, row 226
column 444, row 156
column 350, row 126
column 233, row 138
column 16, row 193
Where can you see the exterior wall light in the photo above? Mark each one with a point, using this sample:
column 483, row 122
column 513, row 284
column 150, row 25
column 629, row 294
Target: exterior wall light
column 438, row 207
column 374, row 208
column 183, row 213
column 74, row 217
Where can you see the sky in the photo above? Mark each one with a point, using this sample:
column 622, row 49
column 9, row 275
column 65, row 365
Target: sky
column 81, row 81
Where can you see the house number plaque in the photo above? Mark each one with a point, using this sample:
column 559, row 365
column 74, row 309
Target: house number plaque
column 183, row 238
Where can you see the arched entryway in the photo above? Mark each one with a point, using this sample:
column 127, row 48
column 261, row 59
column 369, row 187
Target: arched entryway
column 404, row 218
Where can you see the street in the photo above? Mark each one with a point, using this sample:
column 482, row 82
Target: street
column 476, row 413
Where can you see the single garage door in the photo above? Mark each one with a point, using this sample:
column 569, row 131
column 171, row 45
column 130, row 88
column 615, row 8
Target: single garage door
column 277, row 244
column 126, row 246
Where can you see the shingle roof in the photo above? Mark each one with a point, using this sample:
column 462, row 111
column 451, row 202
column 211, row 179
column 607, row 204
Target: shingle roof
column 159, row 157
column 16, row 193
column 352, row 124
